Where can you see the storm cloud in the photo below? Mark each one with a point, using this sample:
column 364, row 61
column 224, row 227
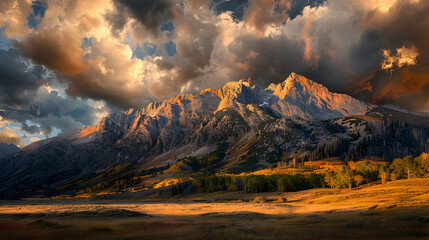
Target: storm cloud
column 27, row 99
column 150, row 14
column 127, row 53
column 57, row 50
column 19, row 81
column 402, row 33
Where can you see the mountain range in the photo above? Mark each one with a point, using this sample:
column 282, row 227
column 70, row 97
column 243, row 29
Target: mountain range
column 296, row 119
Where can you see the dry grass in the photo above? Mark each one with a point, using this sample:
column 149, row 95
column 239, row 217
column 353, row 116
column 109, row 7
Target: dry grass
column 397, row 210
column 380, row 225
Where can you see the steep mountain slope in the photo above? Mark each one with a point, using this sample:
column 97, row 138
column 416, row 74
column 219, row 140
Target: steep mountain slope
column 258, row 126
column 301, row 97
column 406, row 111
column 8, row 149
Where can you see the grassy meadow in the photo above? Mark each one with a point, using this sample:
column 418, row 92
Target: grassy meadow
column 395, row 210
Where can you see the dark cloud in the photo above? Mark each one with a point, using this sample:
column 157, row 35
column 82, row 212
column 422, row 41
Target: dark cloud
column 236, row 7
column 18, row 81
column 338, row 45
column 266, row 60
column 115, row 77
column 149, row 13
column 261, row 14
column 117, row 20
column 194, row 45
column 405, row 25
column 57, row 50
column 24, row 97
column 50, row 110
column 297, row 6
column 92, row 85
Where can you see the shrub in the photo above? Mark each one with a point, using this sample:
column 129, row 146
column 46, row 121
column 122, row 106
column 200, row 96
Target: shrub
column 259, row 200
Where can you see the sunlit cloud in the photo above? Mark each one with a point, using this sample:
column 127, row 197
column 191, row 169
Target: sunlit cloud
column 71, row 62
column 403, row 57
column 34, row 139
column 10, row 137
column 309, row 56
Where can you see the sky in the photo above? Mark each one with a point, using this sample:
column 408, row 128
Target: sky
column 64, row 64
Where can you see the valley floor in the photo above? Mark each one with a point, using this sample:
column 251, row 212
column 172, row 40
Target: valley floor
column 396, row 210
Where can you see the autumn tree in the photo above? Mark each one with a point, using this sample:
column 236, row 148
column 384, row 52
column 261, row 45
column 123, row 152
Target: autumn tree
column 358, row 179
column 384, row 173
column 404, row 167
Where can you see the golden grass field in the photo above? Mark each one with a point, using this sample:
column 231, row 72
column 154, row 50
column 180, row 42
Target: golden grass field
column 396, row 210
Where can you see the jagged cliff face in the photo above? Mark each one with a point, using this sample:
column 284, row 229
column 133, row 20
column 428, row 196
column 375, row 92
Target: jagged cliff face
column 297, row 114
column 215, row 115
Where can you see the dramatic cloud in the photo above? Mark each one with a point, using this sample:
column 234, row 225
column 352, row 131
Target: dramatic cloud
column 297, row 6
column 148, row 15
column 194, row 43
column 401, row 32
column 57, row 50
column 403, row 57
column 114, row 75
column 49, row 110
column 309, row 56
column 262, row 14
column 19, row 80
column 10, row 137
column 27, row 99
column 13, row 18
column 64, row 63
column 195, row 4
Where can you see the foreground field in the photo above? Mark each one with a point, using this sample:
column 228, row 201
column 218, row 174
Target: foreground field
column 397, row 210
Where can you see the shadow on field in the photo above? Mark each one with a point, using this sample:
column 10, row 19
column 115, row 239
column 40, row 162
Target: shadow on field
column 372, row 223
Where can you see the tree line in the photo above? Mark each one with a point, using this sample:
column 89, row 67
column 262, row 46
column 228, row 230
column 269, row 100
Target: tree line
column 259, row 183
column 353, row 175
column 346, row 176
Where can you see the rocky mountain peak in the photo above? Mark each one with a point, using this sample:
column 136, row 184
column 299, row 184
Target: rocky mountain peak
column 296, row 86
column 295, row 97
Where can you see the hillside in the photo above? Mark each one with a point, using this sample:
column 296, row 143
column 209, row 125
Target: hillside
column 8, row 149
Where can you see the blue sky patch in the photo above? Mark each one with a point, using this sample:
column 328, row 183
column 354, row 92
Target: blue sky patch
column 4, row 42
column 235, row 6
column 86, row 42
column 37, row 15
column 167, row 27
column 171, row 48
column 148, row 49
column 238, row 7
